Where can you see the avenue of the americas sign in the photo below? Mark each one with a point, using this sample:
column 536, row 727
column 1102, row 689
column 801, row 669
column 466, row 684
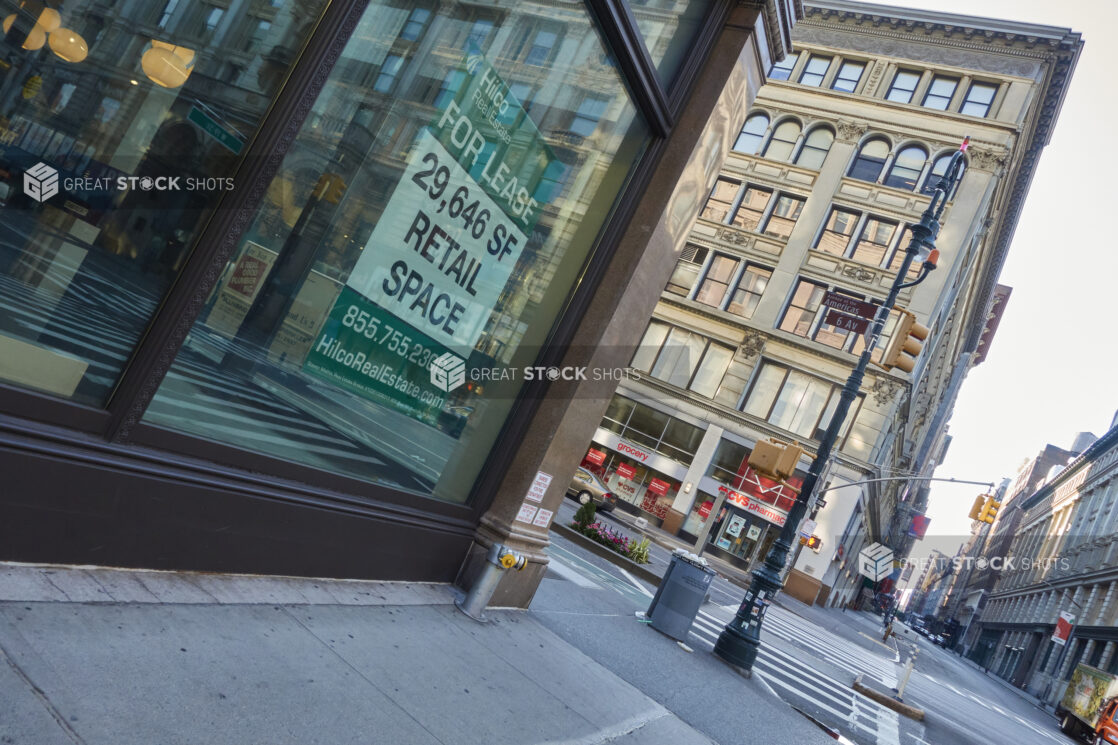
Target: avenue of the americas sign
column 435, row 265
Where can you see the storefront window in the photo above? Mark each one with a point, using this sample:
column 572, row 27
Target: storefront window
column 669, row 28
column 700, row 513
column 121, row 125
column 653, row 429
column 427, row 223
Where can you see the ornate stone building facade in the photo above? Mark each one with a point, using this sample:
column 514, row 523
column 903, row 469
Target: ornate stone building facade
column 1063, row 558
column 834, row 160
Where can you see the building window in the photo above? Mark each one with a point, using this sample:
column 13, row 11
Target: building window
column 799, row 316
column 907, row 167
column 749, row 141
column 814, row 71
column 795, row 401
column 874, row 241
column 940, row 92
column 415, row 23
column 682, row 358
column 479, row 33
column 979, row 98
column 783, row 140
column 815, row 148
column 848, row 76
column 783, row 70
column 686, row 270
column 589, row 112
column 837, row 231
column 939, row 167
column 721, row 200
column 750, row 288
column 903, row 86
column 448, row 89
column 752, row 208
column 540, row 51
column 712, row 291
column 783, row 216
column 870, row 160
column 388, row 72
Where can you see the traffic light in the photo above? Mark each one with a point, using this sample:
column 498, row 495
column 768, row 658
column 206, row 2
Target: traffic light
column 979, row 501
column 989, row 510
column 906, row 343
column 775, row 459
column 815, row 543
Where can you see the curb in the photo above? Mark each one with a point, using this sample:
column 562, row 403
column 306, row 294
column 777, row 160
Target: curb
column 637, row 570
column 887, row 701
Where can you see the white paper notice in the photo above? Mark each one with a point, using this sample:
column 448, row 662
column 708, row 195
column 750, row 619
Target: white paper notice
column 527, row 512
column 538, row 487
column 543, row 518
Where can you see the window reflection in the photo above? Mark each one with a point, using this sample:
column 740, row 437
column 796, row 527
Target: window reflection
column 427, row 223
column 134, row 116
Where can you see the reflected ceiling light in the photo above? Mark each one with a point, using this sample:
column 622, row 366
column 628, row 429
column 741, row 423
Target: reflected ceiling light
column 68, row 45
column 166, row 64
column 35, row 39
column 49, row 20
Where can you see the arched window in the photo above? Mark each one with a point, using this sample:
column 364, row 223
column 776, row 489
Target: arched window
column 749, row 141
column 907, row 168
column 783, row 140
column 815, row 148
column 871, row 158
column 938, row 169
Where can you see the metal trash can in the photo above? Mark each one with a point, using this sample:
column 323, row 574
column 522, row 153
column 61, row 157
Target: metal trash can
column 680, row 595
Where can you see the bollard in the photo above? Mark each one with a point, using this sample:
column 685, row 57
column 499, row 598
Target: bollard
column 499, row 558
column 907, row 672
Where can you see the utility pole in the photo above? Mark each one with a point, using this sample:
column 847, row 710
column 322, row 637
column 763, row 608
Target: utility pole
column 741, row 639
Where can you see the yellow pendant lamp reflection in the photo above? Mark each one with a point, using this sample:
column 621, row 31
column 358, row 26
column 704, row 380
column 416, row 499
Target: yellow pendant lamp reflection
column 68, row 45
column 35, row 38
column 166, row 64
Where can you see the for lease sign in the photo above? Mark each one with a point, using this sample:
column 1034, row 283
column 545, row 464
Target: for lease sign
column 438, row 259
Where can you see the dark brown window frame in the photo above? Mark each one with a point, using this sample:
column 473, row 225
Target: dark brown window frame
column 117, row 430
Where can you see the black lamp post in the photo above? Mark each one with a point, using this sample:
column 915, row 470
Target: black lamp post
column 741, row 639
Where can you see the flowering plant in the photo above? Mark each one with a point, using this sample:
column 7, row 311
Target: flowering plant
column 622, row 544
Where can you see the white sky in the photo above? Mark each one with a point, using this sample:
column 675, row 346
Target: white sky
column 1052, row 368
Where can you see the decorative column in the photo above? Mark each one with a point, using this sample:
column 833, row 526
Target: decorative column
column 1107, row 656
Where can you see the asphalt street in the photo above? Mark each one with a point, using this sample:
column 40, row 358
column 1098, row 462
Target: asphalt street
column 809, row 658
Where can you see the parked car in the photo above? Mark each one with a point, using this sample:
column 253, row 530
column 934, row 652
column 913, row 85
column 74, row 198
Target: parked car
column 586, row 487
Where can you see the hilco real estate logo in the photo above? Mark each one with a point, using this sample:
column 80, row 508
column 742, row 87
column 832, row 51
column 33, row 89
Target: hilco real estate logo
column 448, row 371
column 40, row 182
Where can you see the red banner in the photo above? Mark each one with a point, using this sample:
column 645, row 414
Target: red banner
column 597, row 457
column 658, row 486
column 704, row 509
column 625, row 471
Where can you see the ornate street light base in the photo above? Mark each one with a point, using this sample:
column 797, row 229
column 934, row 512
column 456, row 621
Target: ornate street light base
column 740, row 641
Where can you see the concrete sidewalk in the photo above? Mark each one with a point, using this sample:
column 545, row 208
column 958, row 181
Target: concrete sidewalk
column 94, row 656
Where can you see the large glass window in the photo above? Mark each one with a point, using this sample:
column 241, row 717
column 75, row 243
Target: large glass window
column 783, row 140
column 682, row 358
column 846, row 79
column 654, row 429
column 750, row 288
column 979, row 98
column 404, row 247
column 875, row 240
column 870, row 160
column 120, row 130
column 837, row 231
column 815, row 148
column 903, row 86
column 940, row 92
column 669, row 29
column 815, row 70
column 805, row 302
column 686, row 270
column 721, row 200
column 717, row 280
column 752, row 208
column 784, row 215
column 752, row 134
column 906, row 168
column 800, row 403
column 783, row 70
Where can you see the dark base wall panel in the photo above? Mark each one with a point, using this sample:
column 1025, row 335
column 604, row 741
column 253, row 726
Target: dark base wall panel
column 55, row 508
